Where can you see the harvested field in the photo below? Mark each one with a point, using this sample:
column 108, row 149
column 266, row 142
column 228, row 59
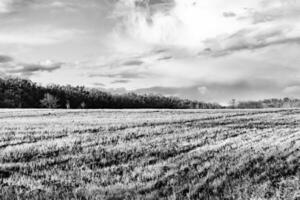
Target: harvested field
column 150, row 154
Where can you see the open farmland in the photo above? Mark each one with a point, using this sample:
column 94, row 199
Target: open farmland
column 150, row 154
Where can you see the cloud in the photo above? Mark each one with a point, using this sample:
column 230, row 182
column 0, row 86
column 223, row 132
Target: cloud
column 14, row 6
column 28, row 69
column 5, row 59
column 229, row 14
column 99, row 84
column 156, row 5
column 121, row 75
column 248, row 39
column 133, row 62
column 165, row 58
column 120, row 81
column 185, row 24
column 275, row 10
column 188, row 25
column 139, row 21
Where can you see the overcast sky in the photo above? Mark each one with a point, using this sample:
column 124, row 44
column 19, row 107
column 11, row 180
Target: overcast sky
column 212, row 50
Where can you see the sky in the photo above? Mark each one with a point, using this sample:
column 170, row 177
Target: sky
column 212, row 50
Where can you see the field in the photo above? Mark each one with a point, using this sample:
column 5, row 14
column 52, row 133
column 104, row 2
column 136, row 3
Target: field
column 150, row 154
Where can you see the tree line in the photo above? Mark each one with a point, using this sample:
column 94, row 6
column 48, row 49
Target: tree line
column 23, row 93
column 267, row 103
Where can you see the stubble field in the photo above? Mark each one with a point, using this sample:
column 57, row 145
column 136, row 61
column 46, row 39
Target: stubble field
column 150, row 154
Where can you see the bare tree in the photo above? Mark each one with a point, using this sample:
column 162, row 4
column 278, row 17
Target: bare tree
column 49, row 101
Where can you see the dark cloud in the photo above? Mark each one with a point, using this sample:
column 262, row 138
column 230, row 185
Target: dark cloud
column 274, row 14
column 120, row 81
column 159, row 51
column 42, row 68
column 165, row 58
column 133, row 63
column 5, row 59
column 155, row 2
column 30, row 69
column 263, row 17
column 15, row 6
column 246, row 40
column 120, row 75
column 99, row 84
column 156, row 5
column 229, row 14
column 274, row 10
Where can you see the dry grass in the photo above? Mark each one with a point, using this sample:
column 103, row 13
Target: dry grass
column 150, row 154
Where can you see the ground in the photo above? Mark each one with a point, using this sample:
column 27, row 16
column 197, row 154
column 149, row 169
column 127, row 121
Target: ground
column 150, row 154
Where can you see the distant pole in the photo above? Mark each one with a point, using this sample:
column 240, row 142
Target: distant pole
column 233, row 103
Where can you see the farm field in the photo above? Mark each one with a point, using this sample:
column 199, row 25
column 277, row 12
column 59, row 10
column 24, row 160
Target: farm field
column 150, row 154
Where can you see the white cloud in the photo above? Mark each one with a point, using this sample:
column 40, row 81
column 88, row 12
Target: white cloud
column 186, row 25
column 189, row 23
